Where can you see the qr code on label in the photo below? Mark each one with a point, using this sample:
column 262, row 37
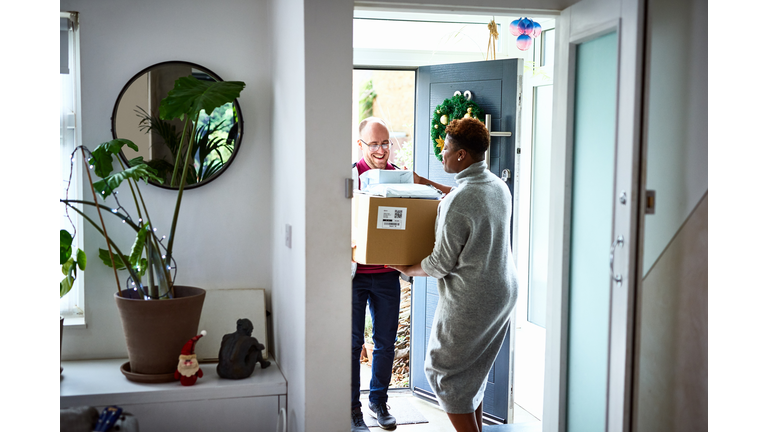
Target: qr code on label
column 398, row 214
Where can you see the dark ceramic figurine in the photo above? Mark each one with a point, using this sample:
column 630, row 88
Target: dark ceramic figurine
column 240, row 352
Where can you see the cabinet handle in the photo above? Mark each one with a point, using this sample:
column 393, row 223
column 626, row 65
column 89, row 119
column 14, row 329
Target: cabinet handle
column 280, row 416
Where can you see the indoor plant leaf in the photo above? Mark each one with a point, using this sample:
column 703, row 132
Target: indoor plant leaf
column 65, row 285
column 190, row 95
column 66, row 268
column 136, row 161
column 101, row 157
column 104, row 257
column 65, row 246
column 138, row 246
column 107, row 185
column 81, row 259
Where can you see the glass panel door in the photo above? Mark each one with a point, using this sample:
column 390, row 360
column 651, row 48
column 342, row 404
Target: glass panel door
column 594, row 138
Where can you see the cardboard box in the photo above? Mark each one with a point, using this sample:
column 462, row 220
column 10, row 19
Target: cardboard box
column 379, row 176
column 397, row 231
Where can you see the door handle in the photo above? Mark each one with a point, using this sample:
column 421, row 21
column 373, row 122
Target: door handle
column 618, row 242
column 493, row 134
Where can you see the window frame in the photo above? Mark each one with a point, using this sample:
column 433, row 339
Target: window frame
column 72, row 306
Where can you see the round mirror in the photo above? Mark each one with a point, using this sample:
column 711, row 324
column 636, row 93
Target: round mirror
column 135, row 117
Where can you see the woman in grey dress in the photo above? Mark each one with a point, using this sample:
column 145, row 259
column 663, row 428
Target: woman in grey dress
column 476, row 278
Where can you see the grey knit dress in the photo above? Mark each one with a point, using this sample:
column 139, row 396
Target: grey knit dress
column 477, row 287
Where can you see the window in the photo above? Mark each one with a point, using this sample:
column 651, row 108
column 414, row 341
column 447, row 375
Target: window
column 71, row 305
column 546, row 55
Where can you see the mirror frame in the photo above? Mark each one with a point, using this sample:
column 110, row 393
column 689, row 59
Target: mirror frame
column 210, row 73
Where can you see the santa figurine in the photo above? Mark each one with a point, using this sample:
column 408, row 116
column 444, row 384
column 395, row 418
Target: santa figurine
column 189, row 370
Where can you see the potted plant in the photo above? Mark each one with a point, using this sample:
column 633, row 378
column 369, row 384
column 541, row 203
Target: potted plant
column 158, row 316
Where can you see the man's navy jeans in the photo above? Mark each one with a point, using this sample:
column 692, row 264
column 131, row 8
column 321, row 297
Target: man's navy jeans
column 381, row 291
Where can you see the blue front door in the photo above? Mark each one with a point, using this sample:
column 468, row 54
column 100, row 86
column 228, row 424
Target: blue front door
column 494, row 87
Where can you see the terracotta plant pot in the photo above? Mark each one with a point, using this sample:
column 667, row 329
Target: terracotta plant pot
column 156, row 331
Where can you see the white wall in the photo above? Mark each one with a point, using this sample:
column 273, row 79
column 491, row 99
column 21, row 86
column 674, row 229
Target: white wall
column 288, row 204
column 118, row 39
column 676, row 158
column 672, row 336
column 312, row 88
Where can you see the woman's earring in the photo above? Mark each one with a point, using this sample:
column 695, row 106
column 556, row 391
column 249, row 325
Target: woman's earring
column 459, row 159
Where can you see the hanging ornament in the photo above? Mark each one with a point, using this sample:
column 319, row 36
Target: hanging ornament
column 444, row 119
column 525, row 26
column 494, row 35
column 524, row 42
column 513, row 27
column 536, row 29
column 525, row 29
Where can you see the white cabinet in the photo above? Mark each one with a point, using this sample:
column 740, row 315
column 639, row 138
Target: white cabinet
column 251, row 404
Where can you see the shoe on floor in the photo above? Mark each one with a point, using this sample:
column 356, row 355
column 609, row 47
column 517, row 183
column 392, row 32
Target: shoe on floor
column 358, row 424
column 381, row 413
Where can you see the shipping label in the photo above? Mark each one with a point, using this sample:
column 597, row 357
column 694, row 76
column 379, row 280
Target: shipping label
column 391, row 218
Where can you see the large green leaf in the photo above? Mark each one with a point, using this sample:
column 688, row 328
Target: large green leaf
column 190, row 95
column 65, row 248
column 108, row 184
column 101, row 157
column 104, row 257
column 138, row 245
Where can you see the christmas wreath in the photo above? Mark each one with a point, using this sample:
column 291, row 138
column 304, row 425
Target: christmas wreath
column 456, row 107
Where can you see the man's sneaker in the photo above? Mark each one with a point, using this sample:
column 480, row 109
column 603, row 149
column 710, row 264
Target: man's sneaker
column 381, row 413
column 358, row 424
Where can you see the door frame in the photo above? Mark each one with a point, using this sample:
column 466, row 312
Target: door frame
column 533, row 335
column 584, row 21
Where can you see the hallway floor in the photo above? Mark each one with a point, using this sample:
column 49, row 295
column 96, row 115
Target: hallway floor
column 438, row 420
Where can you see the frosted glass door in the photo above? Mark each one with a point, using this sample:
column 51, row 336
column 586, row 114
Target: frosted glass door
column 594, row 138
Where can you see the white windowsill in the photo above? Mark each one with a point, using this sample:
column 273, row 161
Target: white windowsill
column 74, row 321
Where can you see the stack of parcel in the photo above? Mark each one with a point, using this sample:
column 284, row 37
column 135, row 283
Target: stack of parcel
column 393, row 219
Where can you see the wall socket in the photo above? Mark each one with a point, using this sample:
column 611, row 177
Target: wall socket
column 288, row 235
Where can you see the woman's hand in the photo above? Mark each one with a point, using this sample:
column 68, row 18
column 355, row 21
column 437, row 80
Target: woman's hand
column 421, row 180
column 418, row 179
column 412, row 270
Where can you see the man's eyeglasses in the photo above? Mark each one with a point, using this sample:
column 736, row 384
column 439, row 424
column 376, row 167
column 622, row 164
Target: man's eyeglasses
column 375, row 147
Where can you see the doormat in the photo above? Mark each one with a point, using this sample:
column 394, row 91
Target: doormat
column 400, row 407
